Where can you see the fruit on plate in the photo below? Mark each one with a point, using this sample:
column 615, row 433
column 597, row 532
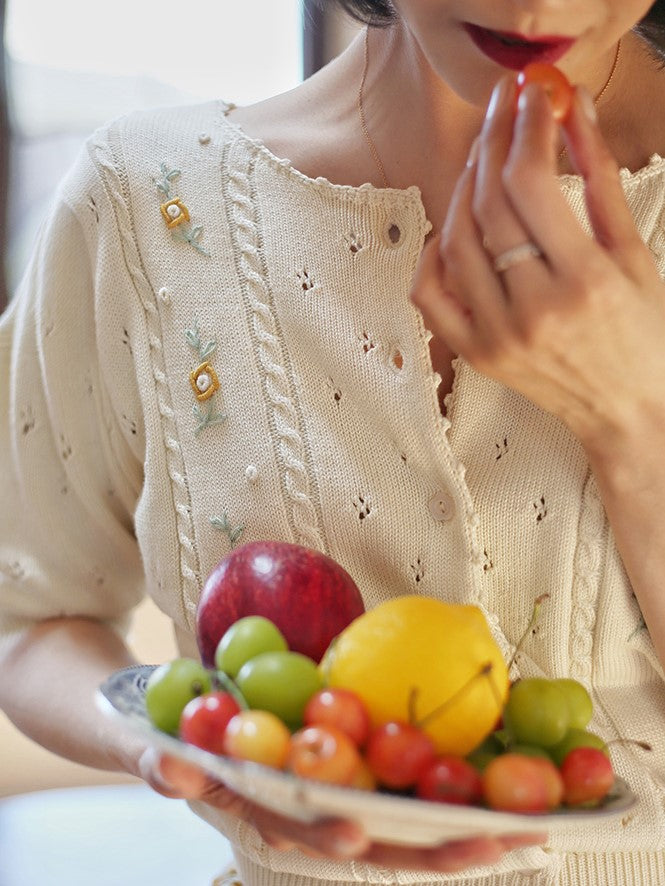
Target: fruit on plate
column 397, row 753
column 306, row 594
column 204, row 719
column 537, row 712
column 280, row 682
column 434, row 665
column 258, row 736
column 170, row 687
column 246, row 638
column 324, row 754
column 341, row 709
column 587, row 776
column 449, row 779
column 515, row 783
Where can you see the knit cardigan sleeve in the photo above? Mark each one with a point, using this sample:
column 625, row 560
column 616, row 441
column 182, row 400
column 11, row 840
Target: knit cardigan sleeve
column 70, row 449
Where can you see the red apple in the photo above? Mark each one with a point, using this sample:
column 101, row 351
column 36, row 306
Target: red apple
column 309, row 596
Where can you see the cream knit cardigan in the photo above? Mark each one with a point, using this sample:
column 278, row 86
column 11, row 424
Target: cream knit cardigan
column 209, row 348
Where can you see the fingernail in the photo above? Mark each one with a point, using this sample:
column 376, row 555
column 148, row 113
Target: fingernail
column 348, row 846
column 473, row 153
column 587, row 104
column 495, row 100
column 523, row 98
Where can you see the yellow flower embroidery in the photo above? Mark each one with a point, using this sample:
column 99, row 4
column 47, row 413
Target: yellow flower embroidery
column 204, row 381
column 175, row 213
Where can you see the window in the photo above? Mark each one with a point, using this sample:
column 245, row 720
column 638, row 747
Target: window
column 72, row 66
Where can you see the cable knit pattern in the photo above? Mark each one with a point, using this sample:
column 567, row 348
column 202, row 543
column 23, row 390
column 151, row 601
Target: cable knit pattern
column 332, row 437
column 592, row 534
column 285, row 418
column 189, row 560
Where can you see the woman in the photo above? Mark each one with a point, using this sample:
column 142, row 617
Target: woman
column 333, row 420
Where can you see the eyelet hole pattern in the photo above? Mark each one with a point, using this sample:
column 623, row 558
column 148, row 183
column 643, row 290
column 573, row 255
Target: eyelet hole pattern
column 394, row 234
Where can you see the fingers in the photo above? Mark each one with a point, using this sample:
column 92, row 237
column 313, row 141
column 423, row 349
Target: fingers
column 530, row 180
column 501, row 227
column 609, row 213
column 174, row 778
column 441, row 310
column 450, row 857
column 327, row 838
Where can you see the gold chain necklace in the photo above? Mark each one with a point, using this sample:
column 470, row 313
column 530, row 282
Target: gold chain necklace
column 370, row 141
column 602, row 92
column 361, row 114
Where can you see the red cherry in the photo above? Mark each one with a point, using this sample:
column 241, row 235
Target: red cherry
column 450, row 779
column 342, row 709
column 397, row 753
column 587, row 776
column 555, row 84
column 203, row 720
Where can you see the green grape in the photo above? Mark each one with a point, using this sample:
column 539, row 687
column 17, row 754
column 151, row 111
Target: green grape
column 281, row 683
column 245, row 639
column 580, row 706
column 536, row 713
column 170, row 687
column 576, row 738
column 529, row 750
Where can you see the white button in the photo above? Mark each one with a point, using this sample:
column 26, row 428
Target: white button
column 441, row 506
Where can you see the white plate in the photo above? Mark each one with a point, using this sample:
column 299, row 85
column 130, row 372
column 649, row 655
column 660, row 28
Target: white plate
column 385, row 817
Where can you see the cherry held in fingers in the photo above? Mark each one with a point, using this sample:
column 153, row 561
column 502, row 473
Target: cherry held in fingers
column 553, row 82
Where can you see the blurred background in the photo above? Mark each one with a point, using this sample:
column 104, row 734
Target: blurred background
column 68, row 67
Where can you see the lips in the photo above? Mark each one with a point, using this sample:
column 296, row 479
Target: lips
column 514, row 51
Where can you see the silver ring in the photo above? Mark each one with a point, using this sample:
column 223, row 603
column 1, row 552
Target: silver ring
column 514, row 256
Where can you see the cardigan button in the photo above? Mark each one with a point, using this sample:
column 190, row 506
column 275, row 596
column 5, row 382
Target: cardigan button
column 441, row 506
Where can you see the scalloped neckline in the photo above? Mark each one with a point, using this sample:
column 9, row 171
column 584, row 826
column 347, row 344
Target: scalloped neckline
column 654, row 166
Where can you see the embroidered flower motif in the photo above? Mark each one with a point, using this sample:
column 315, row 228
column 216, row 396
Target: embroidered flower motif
column 204, row 381
column 175, row 213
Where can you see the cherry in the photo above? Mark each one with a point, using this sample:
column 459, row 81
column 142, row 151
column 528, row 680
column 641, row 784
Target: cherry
column 448, row 779
column 204, row 719
column 587, row 776
column 553, row 81
column 397, row 753
column 340, row 708
column 324, row 754
column 515, row 783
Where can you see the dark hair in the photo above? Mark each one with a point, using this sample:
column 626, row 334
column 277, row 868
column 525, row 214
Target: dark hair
column 381, row 12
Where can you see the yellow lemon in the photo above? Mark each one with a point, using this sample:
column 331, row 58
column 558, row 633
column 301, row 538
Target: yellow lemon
column 430, row 663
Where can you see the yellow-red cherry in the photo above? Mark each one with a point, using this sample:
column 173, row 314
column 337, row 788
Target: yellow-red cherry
column 555, row 84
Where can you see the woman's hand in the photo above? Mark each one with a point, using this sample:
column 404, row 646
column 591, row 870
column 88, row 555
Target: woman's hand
column 578, row 327
column 333, row 838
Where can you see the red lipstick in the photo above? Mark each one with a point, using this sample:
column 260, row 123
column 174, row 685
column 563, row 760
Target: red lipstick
column 514, row 51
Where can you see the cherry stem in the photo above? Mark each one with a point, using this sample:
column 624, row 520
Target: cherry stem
column 535, row 616
column 485, row 671
column 644, row 745
column 228, row 685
